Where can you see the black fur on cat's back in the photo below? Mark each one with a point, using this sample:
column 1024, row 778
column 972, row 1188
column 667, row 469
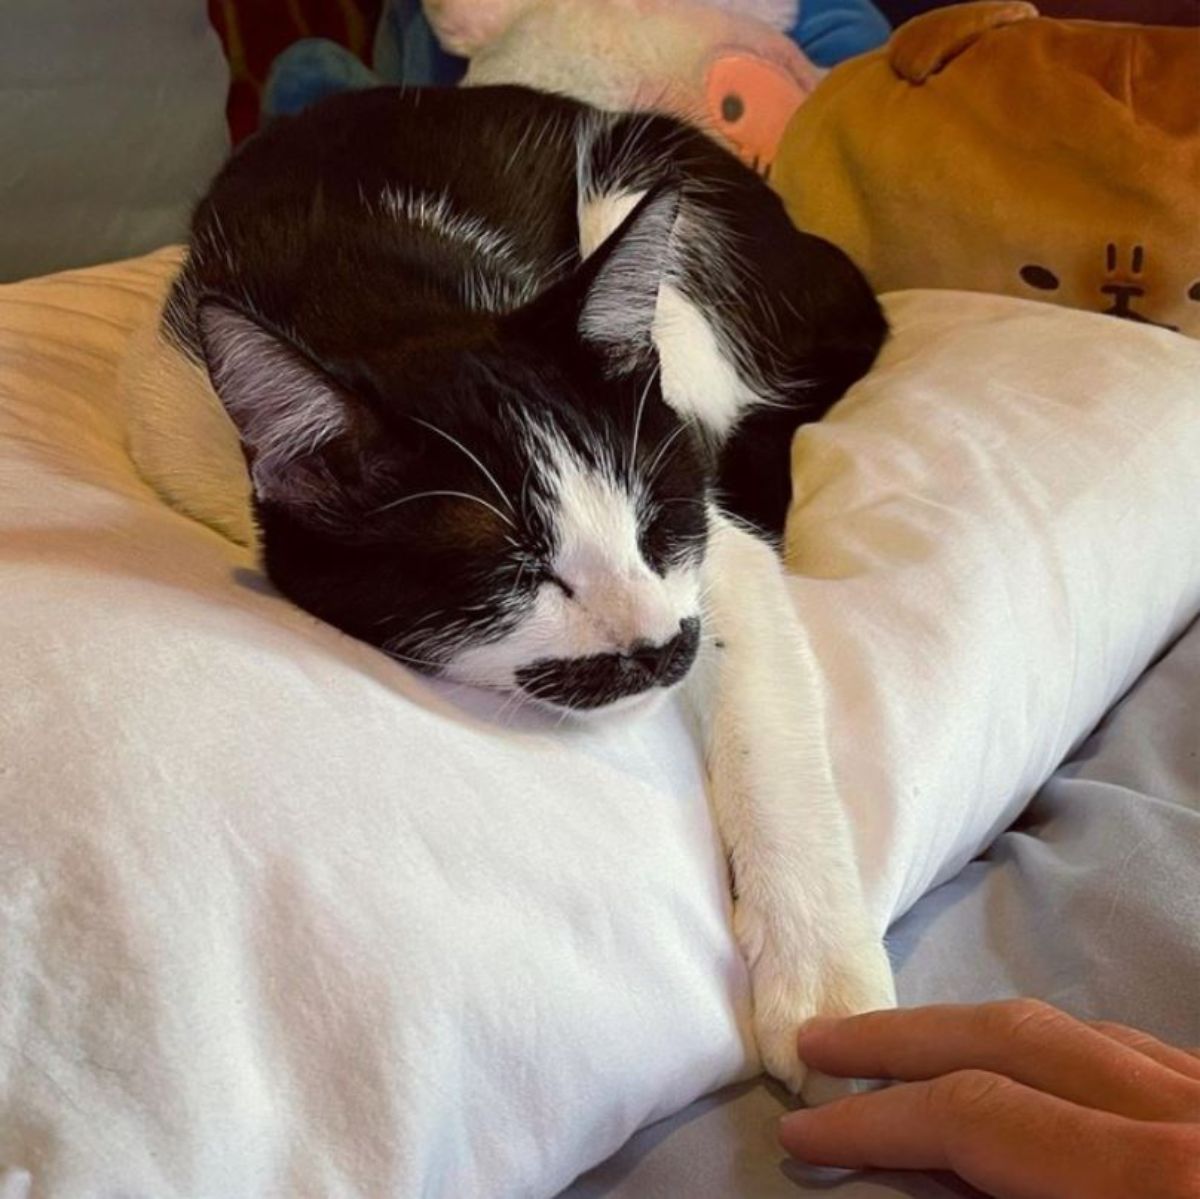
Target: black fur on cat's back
column 293, row 232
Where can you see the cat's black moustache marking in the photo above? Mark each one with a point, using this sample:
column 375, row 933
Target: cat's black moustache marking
column 457, row 425
column 601, row 679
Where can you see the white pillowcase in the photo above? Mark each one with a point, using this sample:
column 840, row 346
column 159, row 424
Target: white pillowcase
column 279, row 918
column 998, row 529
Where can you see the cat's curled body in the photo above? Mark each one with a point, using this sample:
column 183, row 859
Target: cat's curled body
column 515, row 382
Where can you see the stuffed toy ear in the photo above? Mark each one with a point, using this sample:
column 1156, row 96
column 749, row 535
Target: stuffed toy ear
column 298, row 428
column 466, row 26
column 750, row 101
column 923, row 46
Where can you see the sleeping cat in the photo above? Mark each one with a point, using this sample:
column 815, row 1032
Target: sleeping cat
column 514, row 381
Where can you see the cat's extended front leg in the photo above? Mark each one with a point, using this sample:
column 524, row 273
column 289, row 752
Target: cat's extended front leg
column 799, row 914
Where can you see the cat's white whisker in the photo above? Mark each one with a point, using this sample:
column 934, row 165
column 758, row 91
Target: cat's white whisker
column 660, row 455
column 491, row 478
column 637, row 422
column 424, row 495
column 515, row 703
column 411, row 660
column 523, row 501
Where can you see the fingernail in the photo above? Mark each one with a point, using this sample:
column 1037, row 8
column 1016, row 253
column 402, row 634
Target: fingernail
column 793, row 1123
column 794, row 1119
column 816, row 1026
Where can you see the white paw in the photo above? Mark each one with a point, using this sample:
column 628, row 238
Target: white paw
column 791, row 981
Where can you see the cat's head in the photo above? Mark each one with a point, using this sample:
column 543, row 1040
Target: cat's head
column 506, row 502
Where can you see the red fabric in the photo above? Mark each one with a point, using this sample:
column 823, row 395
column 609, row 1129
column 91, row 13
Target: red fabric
column 253, row 32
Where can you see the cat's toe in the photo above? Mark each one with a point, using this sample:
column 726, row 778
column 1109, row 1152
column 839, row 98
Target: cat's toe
column 777, row 1049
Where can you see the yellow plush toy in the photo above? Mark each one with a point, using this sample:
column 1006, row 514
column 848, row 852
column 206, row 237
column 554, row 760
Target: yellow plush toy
column 989, row 149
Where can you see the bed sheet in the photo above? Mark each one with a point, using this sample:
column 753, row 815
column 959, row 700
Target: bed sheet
column 1091, row 902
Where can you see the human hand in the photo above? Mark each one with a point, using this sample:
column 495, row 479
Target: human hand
column 1017, row 1097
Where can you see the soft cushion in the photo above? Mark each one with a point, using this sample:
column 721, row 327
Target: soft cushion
column 997, row 533
column 282, row 919
column 990, row 149
column 113, row 121
column 278, row 919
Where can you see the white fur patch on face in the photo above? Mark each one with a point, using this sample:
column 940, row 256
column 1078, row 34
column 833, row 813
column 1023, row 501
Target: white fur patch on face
column 618, row 600
column 606, row 598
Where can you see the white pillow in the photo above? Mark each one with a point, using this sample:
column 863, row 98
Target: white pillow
column 276, row 917
column 998, row 529
column 280, row 918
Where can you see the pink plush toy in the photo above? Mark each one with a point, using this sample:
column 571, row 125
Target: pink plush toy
column 728, row 66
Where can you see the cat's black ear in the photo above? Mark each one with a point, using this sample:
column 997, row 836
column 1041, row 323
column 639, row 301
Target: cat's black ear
column 297, row 426
column 610, row 299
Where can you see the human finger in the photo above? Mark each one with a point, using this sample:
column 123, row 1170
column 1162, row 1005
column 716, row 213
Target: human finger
column 1005, row 1138
column 1182, row 1061
column 1024, row 1040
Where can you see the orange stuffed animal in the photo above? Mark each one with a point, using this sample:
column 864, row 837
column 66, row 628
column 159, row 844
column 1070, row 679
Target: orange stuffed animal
column 989, row 149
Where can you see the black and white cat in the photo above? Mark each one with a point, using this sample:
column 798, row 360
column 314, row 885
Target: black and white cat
column 515, row 381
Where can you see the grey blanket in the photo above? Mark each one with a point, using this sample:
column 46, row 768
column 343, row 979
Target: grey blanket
column 1092, row 902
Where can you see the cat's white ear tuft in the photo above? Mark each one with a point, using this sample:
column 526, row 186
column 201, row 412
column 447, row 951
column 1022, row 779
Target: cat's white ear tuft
column 628, row 268
column 283, row 406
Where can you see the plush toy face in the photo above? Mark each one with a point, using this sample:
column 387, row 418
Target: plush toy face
column 988, row 149
column 1124, row 280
